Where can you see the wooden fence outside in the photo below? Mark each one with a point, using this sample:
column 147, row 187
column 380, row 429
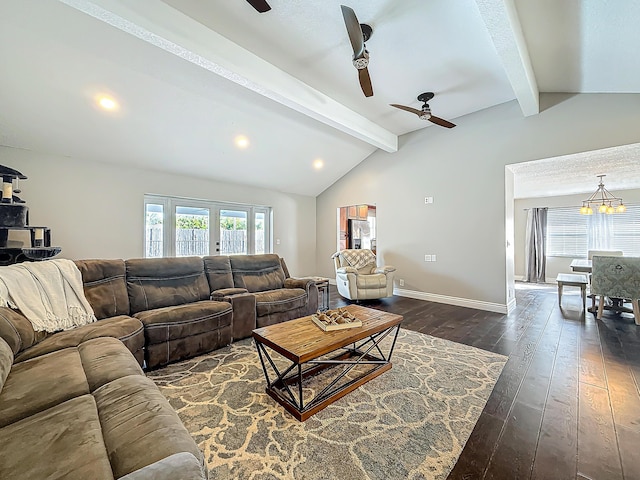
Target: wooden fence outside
column 190, row 242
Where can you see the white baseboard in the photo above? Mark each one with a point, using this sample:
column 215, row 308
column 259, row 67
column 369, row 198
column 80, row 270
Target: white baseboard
column 511, row 306
column 457, row 301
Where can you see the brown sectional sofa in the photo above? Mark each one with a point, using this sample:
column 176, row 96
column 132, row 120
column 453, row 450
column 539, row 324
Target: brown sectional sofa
column 76, row 404
column 88, row 412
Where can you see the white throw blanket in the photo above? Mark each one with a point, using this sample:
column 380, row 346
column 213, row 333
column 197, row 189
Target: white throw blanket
column 48, row 293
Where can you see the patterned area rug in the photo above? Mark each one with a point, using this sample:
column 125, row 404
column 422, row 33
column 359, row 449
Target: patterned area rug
column 411, row 422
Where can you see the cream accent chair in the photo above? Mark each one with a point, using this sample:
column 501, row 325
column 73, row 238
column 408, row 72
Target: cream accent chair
column 359, row 278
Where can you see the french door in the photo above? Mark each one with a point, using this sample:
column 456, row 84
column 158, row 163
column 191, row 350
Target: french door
column 176, row 227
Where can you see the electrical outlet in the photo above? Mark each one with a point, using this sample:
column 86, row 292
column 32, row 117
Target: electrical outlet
column 427, row 258
column 428, row 200
column 277, row 241
column 401, row 282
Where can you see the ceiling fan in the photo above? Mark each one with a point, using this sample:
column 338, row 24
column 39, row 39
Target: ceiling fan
column 425, row 113
column 260, row 5
column 358, row 34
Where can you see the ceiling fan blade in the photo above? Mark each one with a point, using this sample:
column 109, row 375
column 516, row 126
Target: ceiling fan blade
column 407, row 109
column 365, row 82
column 441, row 122
column 354, row 30
column 260, row 5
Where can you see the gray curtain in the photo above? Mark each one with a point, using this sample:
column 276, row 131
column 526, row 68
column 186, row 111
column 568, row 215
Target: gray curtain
column 535, row 248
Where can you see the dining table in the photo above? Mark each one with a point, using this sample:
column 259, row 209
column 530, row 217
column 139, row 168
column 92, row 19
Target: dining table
column 581, row 265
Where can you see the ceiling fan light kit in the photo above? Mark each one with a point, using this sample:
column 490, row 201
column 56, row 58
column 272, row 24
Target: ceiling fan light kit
column 604, row 200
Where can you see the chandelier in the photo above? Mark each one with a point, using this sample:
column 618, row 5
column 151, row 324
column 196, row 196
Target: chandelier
column 603, row 200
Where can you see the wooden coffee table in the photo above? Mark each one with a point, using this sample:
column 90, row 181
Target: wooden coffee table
column 292, row 352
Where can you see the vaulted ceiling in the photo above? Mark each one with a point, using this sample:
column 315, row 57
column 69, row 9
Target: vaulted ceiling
column 189, row 76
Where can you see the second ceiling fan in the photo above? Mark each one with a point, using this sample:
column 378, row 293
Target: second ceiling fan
column 425, row 112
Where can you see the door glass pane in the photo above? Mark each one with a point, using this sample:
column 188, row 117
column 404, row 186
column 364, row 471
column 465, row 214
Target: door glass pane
column 260, row 233
column 153, row 230
column 192, row 231
column 233, row 232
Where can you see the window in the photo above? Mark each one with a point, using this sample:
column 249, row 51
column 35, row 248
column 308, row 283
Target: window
column 566, row 233
column 153, row 232
column 571, row 234
column 186, row 227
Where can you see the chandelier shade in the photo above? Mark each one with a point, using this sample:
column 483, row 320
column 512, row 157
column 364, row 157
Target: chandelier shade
column 603, row 201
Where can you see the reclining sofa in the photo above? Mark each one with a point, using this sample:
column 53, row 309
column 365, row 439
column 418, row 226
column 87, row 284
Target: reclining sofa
column 76, row 403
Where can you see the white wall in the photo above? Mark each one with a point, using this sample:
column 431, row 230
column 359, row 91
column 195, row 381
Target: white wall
column 555, row 265
column 463, row 168
column 96, row 210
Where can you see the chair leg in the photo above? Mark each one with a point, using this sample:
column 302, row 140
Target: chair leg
column 560, row 285
column 636, row 310
column 600, row 307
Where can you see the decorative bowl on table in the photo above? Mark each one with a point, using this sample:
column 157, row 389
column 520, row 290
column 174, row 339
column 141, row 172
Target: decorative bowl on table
column 41, row 253
column 338, row 319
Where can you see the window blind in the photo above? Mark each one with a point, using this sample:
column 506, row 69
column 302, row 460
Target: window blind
column 568, row 232
column 625, row 231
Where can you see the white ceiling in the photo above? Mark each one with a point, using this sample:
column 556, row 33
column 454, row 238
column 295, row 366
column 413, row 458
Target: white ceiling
column 578, row 173
column 190, row 75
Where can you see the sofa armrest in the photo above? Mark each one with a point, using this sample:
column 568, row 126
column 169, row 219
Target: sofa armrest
column 226, row 292
column 386, row 269
column 346, row 270
column 179, row 466
column 309, row 285
column 17, row 331
column 243, row 304
column 298, row 283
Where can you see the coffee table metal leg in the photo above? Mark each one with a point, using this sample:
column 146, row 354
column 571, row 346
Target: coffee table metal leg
column 280, row 377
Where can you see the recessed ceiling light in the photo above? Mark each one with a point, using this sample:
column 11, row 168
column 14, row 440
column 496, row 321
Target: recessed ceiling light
column 241, row 141
column 107, row 103
column 318, row 163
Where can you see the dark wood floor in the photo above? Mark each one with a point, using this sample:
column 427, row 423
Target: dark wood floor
column 567, row 404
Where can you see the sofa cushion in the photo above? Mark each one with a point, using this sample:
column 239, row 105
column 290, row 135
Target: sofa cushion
column 180, row 321
column 6, row 361
column 162, row 282
column 218, row 270
column 281, row 300
column 105, row 286
column 105, row 359
column 41, row 383
column 126, row 329
column 257, row 273
column 139, row 425
column 63, row 442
